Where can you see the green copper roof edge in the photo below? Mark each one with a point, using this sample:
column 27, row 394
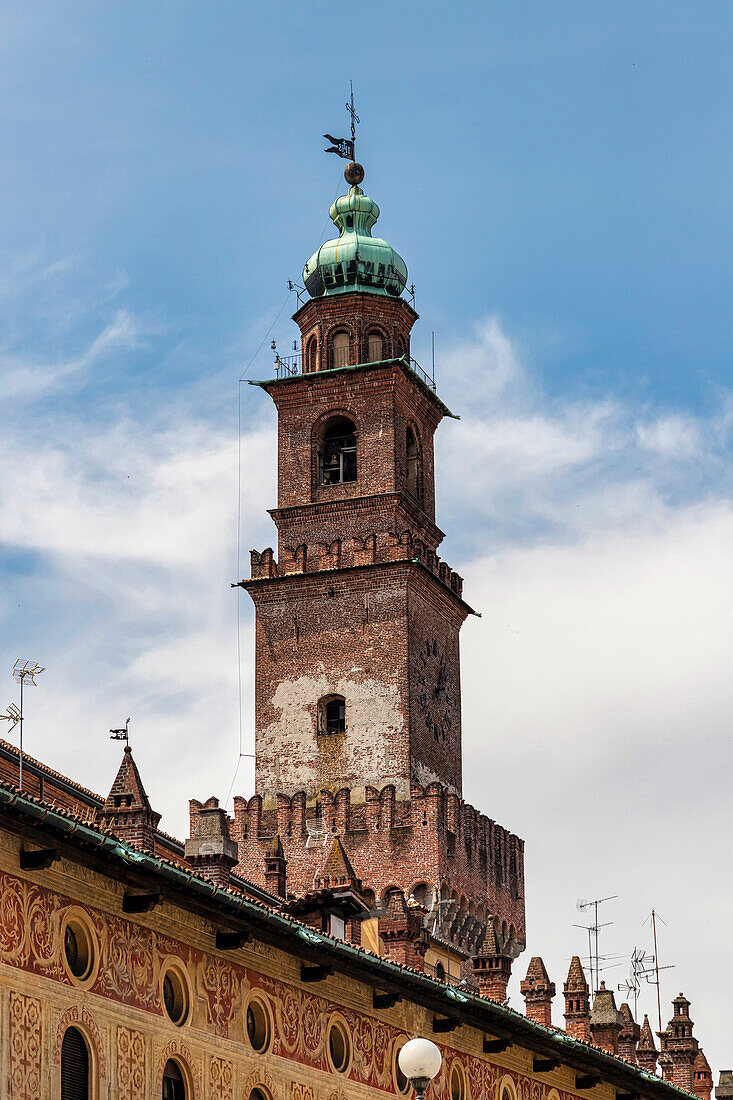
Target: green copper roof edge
column 533, row 1034
column 265, row 382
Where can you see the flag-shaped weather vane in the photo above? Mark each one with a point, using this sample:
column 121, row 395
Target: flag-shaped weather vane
column 345, row 147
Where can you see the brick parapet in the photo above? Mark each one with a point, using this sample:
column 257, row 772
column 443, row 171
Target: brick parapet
column 374, row 549
column 394, row 842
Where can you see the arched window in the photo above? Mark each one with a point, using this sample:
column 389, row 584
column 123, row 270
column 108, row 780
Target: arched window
column 337, row 452
column 375, row 347
column 174, row 1087
column 341, row 349
column 413, row 464
column 399, row 347
column 311, row 349
column 332, row 714
column 74, row 1066
column 440, row 972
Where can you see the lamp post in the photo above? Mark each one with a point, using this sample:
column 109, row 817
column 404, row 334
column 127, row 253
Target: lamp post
column 420, row 1061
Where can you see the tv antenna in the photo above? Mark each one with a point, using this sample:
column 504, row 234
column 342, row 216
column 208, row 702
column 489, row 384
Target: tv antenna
column 642, row 965
column 121, row 734
column 652, row 919
column 593, row 930
column 22, row 671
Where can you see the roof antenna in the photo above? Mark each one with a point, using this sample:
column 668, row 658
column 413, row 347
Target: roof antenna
column 594, row 957
column 345, row 147
column 22, row 671
column 121, row 734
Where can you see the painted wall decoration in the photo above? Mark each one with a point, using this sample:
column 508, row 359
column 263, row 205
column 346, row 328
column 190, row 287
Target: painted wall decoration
column 130, row 1064
column 131, row 957
column 25, row 1047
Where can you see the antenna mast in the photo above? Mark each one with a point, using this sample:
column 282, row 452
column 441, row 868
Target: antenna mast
column 22, row 671
column 653, row 918
column 593, row 930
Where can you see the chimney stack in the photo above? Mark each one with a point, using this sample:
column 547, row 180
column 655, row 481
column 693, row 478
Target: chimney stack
column 629, row 1035
column 679, row 1047
column 606, row 1021
column 577, row 1002
column 703, row 1083
column 538, row 991
column 211, row 851
column 646, row 1052
column 491, row 969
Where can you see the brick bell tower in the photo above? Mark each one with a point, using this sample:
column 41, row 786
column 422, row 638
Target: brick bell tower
column 357, row 670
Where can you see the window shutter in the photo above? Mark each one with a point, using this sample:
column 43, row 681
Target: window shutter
column 74, row 1066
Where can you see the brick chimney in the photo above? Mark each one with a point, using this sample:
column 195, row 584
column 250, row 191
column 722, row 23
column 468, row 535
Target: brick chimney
column 211, row 851
column 402, row 932
column 679, row 1046
column 646, row 1052
column 276, row 868
column 126, row 811
column 605, row 1021
column 628, row 1036
column 491, row 969
column 703, row 1082
column 577, row 1002
column 538, row 991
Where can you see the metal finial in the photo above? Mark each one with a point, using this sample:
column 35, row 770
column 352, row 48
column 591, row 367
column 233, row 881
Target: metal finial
column 346, row 147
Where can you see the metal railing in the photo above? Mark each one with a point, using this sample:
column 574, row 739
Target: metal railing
column 288, row 366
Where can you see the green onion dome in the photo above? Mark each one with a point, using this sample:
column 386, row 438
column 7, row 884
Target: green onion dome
column 355, row 260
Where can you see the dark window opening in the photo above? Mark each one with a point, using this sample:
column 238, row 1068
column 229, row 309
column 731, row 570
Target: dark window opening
column 413, row 464
column 74, row 1066
column 337, row 458
column 332, row 718
column 440, row 972
column 174, row 1087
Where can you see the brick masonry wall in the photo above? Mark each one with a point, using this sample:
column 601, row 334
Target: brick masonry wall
column 397, row 843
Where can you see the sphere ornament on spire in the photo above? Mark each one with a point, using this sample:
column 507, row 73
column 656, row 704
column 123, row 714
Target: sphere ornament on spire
column 355, row 260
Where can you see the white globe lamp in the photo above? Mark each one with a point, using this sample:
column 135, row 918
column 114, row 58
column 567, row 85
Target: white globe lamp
column 420, row 1061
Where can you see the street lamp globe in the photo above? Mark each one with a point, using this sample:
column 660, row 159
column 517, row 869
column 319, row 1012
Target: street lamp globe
column 420, row 1061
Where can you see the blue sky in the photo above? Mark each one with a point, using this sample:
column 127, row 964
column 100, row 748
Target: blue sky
column 557, row 176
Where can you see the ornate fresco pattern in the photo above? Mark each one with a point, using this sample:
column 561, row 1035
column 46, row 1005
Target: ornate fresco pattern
column 130, row 1064
column 25, row 1046
column 131, row 957
column 221, row 1076
column 299, row 1091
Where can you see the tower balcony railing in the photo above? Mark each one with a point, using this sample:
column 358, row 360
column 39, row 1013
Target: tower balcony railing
column 289, row 366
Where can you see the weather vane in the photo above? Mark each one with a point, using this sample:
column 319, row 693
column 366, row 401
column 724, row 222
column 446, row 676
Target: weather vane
column 121, row 734
column 345, row 147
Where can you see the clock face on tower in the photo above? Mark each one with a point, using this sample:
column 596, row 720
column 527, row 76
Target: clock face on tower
column 436, row 696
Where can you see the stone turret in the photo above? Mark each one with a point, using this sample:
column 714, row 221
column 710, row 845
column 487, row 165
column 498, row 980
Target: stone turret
column 538, row 991
column 646, row 1052
column 491, row 969
column 606, row 1021
column 629, row 1035
column 703, row 1077
column 679, row 1046
column 211, row 851
column 577, row 1002
column 127, row 811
